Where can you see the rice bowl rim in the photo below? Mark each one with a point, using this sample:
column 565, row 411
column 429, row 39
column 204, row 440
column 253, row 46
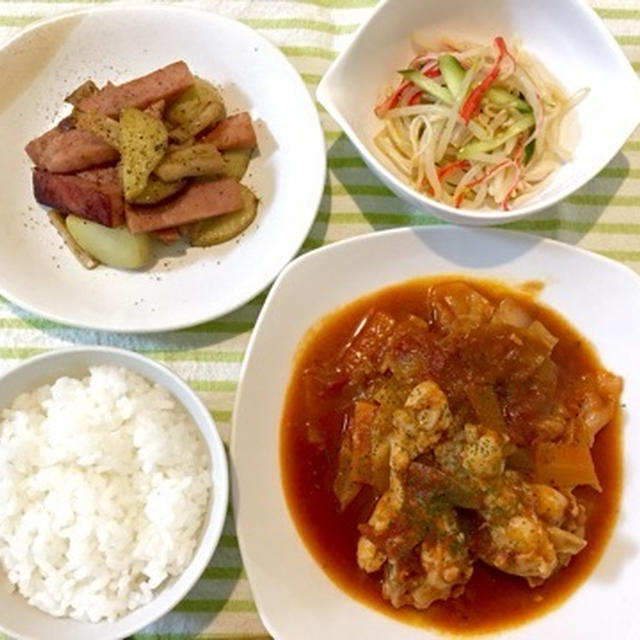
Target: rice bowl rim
column 45, row 368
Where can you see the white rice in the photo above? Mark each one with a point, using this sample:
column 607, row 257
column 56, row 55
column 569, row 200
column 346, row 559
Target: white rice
column 104, row 485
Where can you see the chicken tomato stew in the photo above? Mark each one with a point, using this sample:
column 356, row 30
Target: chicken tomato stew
column 451, row 452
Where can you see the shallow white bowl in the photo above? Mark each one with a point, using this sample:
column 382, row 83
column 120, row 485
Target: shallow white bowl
column 566, row 36
column 20, row 620
column 120, row 42
column 599, row 297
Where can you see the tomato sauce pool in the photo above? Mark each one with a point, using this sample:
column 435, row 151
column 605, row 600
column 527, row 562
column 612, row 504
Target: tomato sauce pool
column 310, row 438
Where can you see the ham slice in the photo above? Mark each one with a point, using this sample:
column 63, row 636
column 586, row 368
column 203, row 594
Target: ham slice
column 64, row 150
column 163, row 84
column 234, row 132
column 103, row 177
column 156, row 109
column 167, row 236
column 198, row 201
column 94, row 195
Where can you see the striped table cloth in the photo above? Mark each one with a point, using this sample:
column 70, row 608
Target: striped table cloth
column 601, row 217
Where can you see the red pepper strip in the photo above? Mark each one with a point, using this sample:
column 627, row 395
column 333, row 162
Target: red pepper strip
column 415, row 98
column 485, row 176
column 428, row 188
column 392, row 100
column 431, row 71
column 458, row 199
column 452, row 166
column 443, row 171
column 410, row 95
column 472, row 102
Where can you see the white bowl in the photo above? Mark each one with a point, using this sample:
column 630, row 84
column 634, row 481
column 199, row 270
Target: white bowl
column 20, row 620
column 566, row 36
column 294, row 595
column 117, row 43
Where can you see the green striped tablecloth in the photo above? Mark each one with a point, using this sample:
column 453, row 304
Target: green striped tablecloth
column 602, row 217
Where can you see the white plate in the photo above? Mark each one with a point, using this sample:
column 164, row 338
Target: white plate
column 45, row 62
column 599, row 297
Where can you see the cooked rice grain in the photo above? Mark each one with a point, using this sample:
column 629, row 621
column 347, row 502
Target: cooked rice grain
column 104, row 485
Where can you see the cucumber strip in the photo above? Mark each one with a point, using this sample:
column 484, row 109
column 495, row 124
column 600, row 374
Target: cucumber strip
column 482, row 146
column 503, row 98
column 452, row 72
column 428, row 85
column 529, row 148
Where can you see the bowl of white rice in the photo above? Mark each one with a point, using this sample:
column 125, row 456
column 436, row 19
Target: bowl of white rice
column 113, row 494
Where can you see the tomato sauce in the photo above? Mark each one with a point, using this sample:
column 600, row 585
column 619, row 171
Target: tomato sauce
column 310, row 438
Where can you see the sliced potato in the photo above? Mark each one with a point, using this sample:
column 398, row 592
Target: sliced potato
column 157, row 190
column 107, row 129
column 195, row 109
column 87, row 88
column 58, row 221
column 225, row 227
column 181, row 136
column 143, row 141
column 116, row 247
column 181, row 111
column 212, row 111
column 200, row 159
column 236, row 162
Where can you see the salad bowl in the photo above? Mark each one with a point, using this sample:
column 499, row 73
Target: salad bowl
column 565, row 36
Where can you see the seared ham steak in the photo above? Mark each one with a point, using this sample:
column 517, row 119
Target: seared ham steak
column 96, row 196
column 234, row 132
column 198, row 201
column 64, row 150
column 163, row 84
